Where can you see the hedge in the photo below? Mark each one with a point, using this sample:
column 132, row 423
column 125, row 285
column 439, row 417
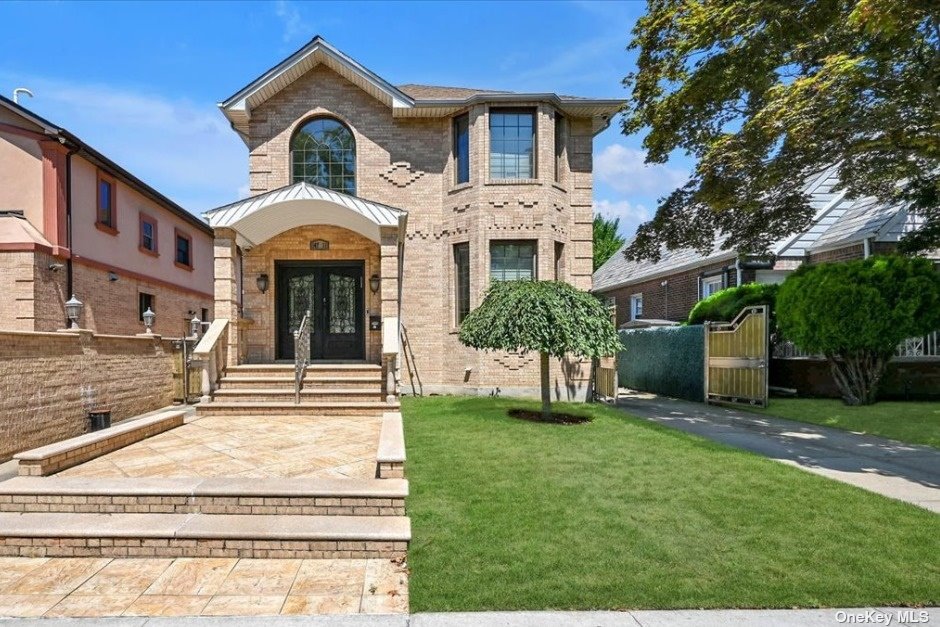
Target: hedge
column 665, row 360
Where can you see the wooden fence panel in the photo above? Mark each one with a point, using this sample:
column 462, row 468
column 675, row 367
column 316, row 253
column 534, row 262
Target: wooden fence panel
column 737, row 358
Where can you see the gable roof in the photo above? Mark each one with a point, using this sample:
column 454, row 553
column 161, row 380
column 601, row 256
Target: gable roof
column 838, row 222
column 408, row 100
column 55, row 131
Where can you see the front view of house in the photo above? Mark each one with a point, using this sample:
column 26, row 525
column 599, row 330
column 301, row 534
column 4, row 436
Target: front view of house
column 385, row 211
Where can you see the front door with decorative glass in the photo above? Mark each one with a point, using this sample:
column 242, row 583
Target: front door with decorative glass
column 335, row 297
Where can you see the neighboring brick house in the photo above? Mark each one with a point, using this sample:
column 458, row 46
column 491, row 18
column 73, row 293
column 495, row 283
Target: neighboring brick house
column 842, row 229
column 387, row 210
column 74, row 222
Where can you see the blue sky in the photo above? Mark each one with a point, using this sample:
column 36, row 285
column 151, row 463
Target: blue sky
column 140, row 81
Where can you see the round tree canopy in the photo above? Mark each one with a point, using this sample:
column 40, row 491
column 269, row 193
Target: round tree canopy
column 545, row 316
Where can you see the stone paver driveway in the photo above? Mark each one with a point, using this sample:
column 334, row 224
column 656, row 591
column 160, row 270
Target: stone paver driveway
column 248, row 446
column 76, row 587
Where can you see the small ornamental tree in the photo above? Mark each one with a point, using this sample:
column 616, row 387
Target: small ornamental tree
column 856, row 314
column 724, row 305
column 550, row 317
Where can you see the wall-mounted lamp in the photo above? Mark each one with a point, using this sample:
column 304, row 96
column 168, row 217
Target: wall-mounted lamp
column 112, row 276
column 374, row 283
column 262, row 282
column 149, row 319
column 73, row 310
column 195, row 326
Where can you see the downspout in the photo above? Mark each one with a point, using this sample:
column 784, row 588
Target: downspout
column 737, row 270
column 866, row 248
column 69, row 276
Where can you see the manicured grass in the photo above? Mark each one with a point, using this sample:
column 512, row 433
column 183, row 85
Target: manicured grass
column 911, row 422
column 622, row 513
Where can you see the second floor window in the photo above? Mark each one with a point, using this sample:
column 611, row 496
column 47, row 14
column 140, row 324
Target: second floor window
column 106, row 214
column 323, row 152
column 512, row 260
column 184, row 250
column 462, row 149
column 148, row 233
column 512, row 144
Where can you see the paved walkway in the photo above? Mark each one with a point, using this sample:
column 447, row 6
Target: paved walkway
column 906, row 472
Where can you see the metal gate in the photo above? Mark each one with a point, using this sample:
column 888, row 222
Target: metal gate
column 737, row 358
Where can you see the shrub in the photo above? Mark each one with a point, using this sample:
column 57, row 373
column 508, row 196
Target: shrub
column 856, row 313
column 664, row 360
column 723, row 306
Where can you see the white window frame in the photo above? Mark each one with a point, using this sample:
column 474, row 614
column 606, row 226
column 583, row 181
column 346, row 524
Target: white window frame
column 717, row 279
column 636, row 312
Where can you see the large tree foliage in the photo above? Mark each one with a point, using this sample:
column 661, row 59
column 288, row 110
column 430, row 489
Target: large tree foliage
column 607, row 240
column 856, row 314
column 764, row 94
column 550, row 317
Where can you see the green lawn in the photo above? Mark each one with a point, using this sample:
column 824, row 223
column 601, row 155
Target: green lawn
column 912, row 422
column 622, row 513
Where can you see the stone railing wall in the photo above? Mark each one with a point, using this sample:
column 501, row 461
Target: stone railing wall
column 50, row 381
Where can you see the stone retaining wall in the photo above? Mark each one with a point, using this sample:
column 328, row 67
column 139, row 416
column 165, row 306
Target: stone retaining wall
column 48, row 381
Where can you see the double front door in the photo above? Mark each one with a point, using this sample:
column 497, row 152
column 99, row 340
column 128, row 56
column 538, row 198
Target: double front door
column 334, row 296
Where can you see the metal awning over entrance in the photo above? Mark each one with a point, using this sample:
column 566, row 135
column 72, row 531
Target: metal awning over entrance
column 260, row 218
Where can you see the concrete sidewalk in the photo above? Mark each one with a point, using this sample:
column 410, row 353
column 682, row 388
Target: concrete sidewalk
column 906, row 472
column 685, row 618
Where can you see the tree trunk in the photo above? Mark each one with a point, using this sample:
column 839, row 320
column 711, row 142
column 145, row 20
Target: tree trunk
column 858, row 375
column 546, row 387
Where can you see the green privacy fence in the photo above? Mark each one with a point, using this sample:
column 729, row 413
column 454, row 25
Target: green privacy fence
column 664, row 360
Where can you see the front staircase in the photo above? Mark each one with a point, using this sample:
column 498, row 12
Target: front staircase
column 327, row 389
column 270, row 517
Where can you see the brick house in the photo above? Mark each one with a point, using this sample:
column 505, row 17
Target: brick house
column 842, row 229
column 72, row 221
column 387, row 210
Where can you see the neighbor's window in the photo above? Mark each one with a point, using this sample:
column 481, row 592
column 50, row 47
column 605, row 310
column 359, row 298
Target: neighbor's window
column 511, row 260
column 560, row 139
column 712, row 284
column 148, row 234
column 184, row 250
column 462, row 149
column 323, row 152
column 462, row 280
column 512, row 143
column 145, row 302
column 636, row 306
column 106, row 215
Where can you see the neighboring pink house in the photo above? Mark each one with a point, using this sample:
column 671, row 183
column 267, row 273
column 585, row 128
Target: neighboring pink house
column 74, row 222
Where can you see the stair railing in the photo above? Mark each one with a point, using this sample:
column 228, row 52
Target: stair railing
column 210, row 356
column 301, row 354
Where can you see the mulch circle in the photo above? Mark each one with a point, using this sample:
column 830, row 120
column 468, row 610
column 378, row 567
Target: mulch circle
column 556, row 418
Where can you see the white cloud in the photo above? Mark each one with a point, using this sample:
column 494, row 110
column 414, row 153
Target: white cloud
column 631, row 215
column 185, row 150
column 291, row 19
column 623, row 169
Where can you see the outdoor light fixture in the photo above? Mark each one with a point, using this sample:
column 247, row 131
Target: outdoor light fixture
column 112, row 276
column 73, row 309
column 149, row 319
column 374, row 283
column 195, row 326
column 262, row 282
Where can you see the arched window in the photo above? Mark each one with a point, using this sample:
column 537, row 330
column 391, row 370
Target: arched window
column 323, row 152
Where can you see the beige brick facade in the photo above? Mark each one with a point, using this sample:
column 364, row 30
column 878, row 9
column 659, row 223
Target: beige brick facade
column 407, row 163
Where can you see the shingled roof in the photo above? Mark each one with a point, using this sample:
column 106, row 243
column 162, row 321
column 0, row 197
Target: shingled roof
column 437, row 92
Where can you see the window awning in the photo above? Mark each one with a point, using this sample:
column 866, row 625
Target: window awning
column 259, row 218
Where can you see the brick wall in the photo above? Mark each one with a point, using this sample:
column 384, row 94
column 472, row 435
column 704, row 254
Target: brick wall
column 43, row 375
column 407, row 163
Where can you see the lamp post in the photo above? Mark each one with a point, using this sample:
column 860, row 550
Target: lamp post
column 149, row 319
column 73, row 310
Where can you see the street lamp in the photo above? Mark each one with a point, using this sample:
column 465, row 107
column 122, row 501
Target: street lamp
column 149, row 319
column 73, row 310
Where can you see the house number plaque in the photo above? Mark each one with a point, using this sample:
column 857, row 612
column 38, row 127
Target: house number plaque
column 319, row 244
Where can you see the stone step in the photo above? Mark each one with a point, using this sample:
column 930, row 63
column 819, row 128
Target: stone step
column 307, row 496
column 311, row 381
column 284, row 408
column 373, row 394
column 202, row 535
column 287, row 370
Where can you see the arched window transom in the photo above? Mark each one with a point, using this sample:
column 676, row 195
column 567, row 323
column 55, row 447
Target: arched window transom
column 323, row 152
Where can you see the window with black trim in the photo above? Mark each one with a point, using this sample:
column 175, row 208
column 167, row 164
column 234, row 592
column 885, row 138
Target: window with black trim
column 461, row 281
column 144, row 302
column 184, row 250
column 462, row 149
column 512, row 143
column 512, row 260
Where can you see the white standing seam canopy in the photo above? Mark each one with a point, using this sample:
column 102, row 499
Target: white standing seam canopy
column 259, row 218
